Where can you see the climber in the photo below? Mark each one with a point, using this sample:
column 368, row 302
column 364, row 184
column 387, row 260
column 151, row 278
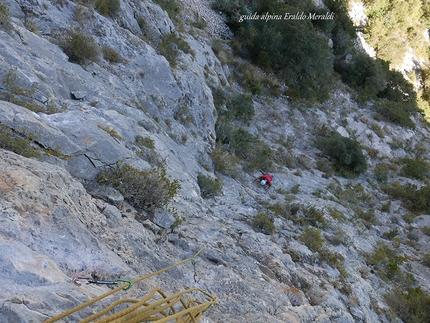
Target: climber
column 265, row 180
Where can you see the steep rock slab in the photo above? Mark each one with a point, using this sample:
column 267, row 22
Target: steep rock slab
column 45, row 237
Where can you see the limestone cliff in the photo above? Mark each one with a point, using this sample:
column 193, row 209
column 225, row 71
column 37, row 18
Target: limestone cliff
column 136, row 103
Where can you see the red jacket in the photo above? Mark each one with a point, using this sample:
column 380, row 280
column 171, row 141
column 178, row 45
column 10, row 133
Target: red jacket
column 268, row 178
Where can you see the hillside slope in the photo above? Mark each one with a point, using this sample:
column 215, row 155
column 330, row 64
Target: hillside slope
column 141, row 88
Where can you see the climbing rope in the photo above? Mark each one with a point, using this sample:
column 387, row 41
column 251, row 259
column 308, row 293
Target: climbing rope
column 142, row 310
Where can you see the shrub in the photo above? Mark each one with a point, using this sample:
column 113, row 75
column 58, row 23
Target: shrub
column 171, row 7
column 219, row 97
column 368, row 217
column 386, row 262
column 345, row 153
column 394, row 112
column 416, row 169
column 170, row 46
column 147, row 151
column 390, row 34
column 313, row 216
column 426, row 260
column 312, row 238
column 411, row 305
column 255, row 153
column 390, row 235
column 232, row 11
column 225, row 163
column 143, row 189
column 241, row 106
column 399, row 90
column 364, row 73
column 386, row 207
column 108, row 7
column 381, row 172
column 183, row 116
column 263, row 223
column 19, row 144
column 295, row 51
column 20, row 95
column 339, row 237
column 80, row 48
column 333, row 259
column 281, row 209
column 209, row 187
column 111, row 131
column 111, row 54
column 4, row 14
column 199, row 22
column 344, row 30
column 353, row 196
column 413, row 198
column 147, row 142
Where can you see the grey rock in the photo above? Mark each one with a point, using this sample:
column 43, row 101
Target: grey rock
column 163, row 218
column 78, row 95
column 113, row 215
column 51, row 226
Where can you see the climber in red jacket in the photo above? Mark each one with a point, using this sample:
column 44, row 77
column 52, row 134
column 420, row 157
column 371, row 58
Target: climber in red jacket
column 265, row 179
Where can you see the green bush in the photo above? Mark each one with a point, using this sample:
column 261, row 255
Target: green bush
column 23, row 96
column 170, row 46
column 395, row 97
column 381, row 172
column 344, row 30
column 241, row 107
column 255, row 154
column 386, row 262
column 390, row 235
column 312, row 238
column 426, row 260
column 263, row 223
column 232, row 10
column 333, row 259
column 394, row 112
column 415, row 169
column 219, row 96
column 411, row 304
column 108, row 7
column 426, row 230
column 209, row 187
column 390, row 34
column 413, row 198
column 143, row 189
column 111, row 131
column 368, row 217
column 313, row 216
column 111, row 54
column 19, row 144
column 225, row 162
column 147, row 142
column 171, row 7
column 398, row 89
column 364, row 73
column 199, row 22
column 294, row 50
column 4, row 14
column 80, row 47
column 345, row 153
column 398, row 100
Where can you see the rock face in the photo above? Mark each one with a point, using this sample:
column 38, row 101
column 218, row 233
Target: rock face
column 144, row 110
column 45, row 238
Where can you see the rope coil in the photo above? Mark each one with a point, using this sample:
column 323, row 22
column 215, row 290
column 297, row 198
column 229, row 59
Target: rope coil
column 144, row 311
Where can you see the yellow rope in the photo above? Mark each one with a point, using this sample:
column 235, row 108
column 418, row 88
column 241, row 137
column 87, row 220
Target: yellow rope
column 129, row 317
